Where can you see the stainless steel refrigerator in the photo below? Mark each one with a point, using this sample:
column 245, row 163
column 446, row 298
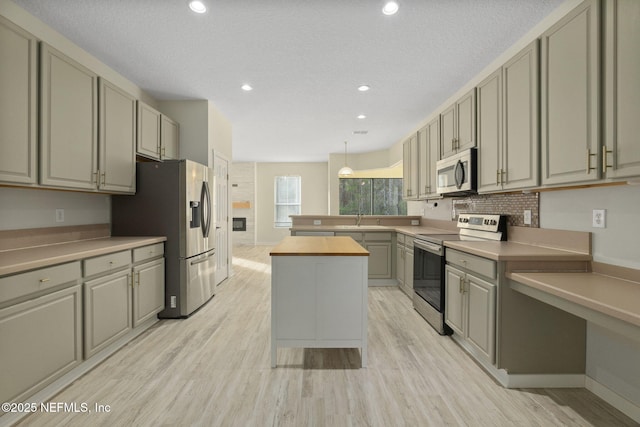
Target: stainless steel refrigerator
column 174, row 199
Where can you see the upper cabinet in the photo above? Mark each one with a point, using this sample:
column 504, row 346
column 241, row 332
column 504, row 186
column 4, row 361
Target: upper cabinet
column 458, row 125
column 158, row 135
column 508, row 142
column 169, row 138
column 410, row 168
column 621, row 147
column 570, row 97
column 428, row 151
column 117, row 138
column 68, row 122
column 18, row 104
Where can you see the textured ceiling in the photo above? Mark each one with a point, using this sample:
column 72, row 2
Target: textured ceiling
column 304, row 58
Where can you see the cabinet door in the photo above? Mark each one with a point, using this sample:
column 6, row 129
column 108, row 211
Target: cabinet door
column 466, row 121
column 408, row 271
column 169, row 138
column 410, row 168
column 18, row 104
column 481, row 318
column 68, row 122
column 117, row 139
column 423, row 162
column 570, row 97
column 520, row 158
column 148, row 143
column 433, row 135
column 622, row 107
column 41, row 341
column 148, row 291
column 379, row 260
column 454, row 301
column 399, row 265
column 448, row 131
column 107, row 311
column 490, row 132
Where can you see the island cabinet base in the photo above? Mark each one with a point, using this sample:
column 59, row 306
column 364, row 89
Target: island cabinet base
column 319, row 302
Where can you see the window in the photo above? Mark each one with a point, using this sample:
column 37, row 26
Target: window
column 372, row 196
column 287, row 199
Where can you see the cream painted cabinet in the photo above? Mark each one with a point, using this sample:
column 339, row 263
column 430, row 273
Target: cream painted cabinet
column 158, row 135
column 148, row 291
column 410, row 168
column 149, row 120
column 428, row 151
column 570, row 97
column 169, row 138
column 18, row 105
column 379, row 246
column 458, row 125
column 117, row 137
column 107, row 311
column 404, row 263
column 508, row 142
column 621, row 148
column 68, row 122
column 470, row 302
column 400, row 255
column 41, row 341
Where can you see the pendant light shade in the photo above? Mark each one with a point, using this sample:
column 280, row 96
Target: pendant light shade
column 346, row 171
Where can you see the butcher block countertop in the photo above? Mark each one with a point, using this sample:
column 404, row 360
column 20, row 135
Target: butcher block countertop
column 19, row 260
column 318, row 246
column 513, row 251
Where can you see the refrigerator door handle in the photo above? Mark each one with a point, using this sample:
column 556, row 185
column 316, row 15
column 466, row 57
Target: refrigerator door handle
column 205, row 259
column 205, row 202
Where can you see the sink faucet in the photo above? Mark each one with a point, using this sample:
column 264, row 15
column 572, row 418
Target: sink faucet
column 358, row 219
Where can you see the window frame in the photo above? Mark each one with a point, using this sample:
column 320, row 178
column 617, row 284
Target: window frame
column 276, row 203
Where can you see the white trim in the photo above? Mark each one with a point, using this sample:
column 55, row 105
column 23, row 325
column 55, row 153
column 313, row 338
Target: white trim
column 623, row 405
column 545, row 380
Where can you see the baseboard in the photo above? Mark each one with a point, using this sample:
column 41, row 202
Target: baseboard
column 382, row 282
column 545, row 381
column 623, row 405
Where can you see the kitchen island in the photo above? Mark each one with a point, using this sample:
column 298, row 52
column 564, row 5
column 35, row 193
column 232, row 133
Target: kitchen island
column 319, row 294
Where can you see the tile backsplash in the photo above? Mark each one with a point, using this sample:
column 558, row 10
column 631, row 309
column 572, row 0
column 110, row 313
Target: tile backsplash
column 511, row 204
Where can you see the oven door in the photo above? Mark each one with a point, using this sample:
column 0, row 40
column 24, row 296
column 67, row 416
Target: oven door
column 428, row 273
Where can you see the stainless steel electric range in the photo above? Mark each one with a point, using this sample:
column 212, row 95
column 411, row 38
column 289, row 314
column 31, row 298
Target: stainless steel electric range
column 429, row 262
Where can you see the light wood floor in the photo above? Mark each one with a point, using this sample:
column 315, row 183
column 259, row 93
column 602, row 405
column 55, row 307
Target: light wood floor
column 213, row 370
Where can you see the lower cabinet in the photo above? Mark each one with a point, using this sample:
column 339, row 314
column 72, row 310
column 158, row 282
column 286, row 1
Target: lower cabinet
column 404, row 264
column 41, row 340
column 379, row 245
column 148, row 291
column 471, row 310
column 107, row 311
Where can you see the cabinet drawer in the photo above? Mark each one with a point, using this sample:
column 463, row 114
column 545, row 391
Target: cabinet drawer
column 106, row 263
column 19, row 285
column 377, row 237
column 476, row 264
column 148, row 252
column 401, row 238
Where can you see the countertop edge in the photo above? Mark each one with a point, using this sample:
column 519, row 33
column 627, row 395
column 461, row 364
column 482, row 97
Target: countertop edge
column 110, row 245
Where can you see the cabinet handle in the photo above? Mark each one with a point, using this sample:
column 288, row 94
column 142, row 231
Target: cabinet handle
column 497, row 176
column 138, row 279
column 164, row 151
column 46, row 279
column 604, row 158
column 95, row 177
column 130, row 279
column 104, row 178
column 502, row 174
column 158, row 150
column 589, row 155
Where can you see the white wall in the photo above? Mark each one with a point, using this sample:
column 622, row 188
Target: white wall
column 314, row 195
column 30, row 208
column 243, row 189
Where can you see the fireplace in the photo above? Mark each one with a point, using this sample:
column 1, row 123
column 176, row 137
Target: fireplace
column 239, row 224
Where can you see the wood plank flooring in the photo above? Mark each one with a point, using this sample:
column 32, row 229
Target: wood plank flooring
column 213, row 369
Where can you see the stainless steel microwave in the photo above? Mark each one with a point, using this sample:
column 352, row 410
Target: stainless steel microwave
column 456, row 175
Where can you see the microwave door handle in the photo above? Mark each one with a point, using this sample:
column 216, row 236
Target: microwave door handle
column 459, row 174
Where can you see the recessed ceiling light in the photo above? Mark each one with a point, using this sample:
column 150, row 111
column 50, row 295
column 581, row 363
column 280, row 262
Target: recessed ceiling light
column 246, row 87
column 364, row 88
column 197, row 6
column 362, row 116
column 390, row 8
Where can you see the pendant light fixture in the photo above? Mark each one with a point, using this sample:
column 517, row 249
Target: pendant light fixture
column 346, row 171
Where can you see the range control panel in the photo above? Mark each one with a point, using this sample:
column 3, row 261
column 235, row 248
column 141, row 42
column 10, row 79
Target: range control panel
column 483, row 222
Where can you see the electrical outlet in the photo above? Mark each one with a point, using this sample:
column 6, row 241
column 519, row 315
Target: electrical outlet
column 415, row 222
column 59, row 215
column 317, row 222
column 599, row 219
column 527, row 217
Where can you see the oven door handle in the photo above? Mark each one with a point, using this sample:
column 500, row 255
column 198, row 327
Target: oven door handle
column 428, row 246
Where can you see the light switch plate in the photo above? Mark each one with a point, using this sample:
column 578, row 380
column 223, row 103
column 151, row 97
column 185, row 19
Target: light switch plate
column 59, row 215
column 317, row 222
column 415, row 222
column 527, row 217
column 599, row 219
